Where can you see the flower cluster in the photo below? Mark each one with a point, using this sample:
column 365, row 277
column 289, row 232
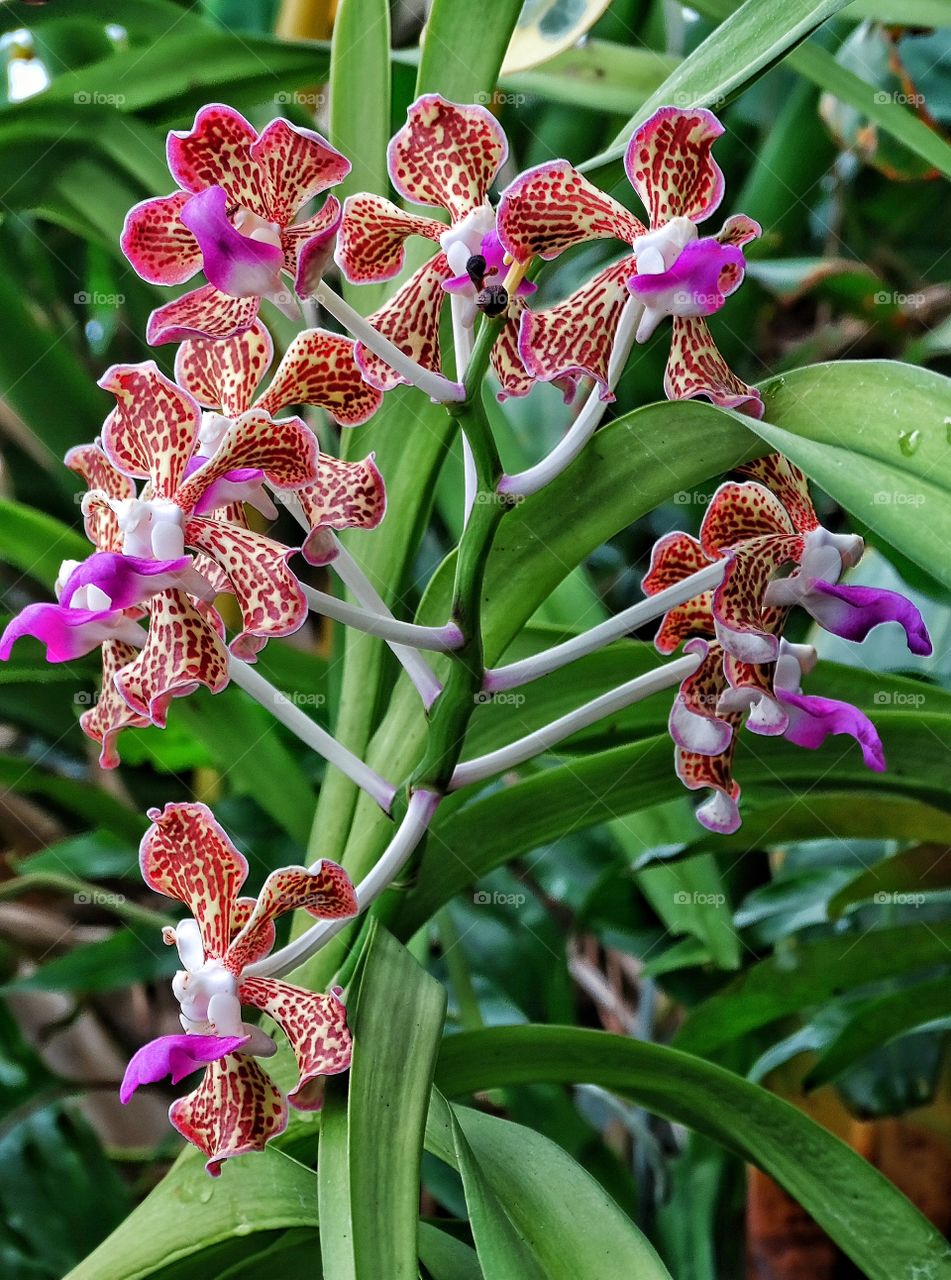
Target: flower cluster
column 777, row 556
column 188, row 469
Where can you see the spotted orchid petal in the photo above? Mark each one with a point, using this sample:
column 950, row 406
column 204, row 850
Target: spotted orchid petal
column 224, row 375
column 675, row 557
column 410, row 319
column 739, row 512
column 852, row 612
column 265, row 934
column 216, row 152
column 320, row 368
column 744, row 625
column 697, row 284
column 446, row 155
column 127, row 581
column 183, row 651
column 267, row 591
column 670, row 165
column 325, row 891
column 739, row 230
column 237, row 1108
column 100, row 521
column 157, row 242
column 65, row 633
column 787, row 484
column 285, row 451
column 696, row 368
column 294, row 165
column 574, row 339
column 548, row 209
column 813, row 719
column 176, row 1057
column 239, row 266
column 186, row 855
column 694, row 723
column 752, row 695
column 203, row 313
column 110, row 714
column 373, row 234
column 721, row 812
column 151, row 432
column 507, row 365
column 346, row 495
column 91, row 463
column 316, row 1028
column 308, row 247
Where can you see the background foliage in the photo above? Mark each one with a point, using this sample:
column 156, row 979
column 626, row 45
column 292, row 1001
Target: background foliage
column 798, row 968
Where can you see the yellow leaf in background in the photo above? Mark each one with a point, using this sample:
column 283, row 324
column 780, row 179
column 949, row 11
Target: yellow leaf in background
column 547, row 27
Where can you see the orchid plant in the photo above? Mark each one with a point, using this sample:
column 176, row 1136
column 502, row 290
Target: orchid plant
column 224, row 485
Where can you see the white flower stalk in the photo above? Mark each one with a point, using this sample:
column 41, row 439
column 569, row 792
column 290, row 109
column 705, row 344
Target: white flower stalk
column 434, row 385
column 422, row 805
column 607, row 704
column 413, row 663
column 311, row 734
column 542, row 664
column 437, row 639
column 588, row 419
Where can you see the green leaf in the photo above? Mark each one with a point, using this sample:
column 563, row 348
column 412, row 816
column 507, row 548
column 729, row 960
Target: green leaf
column 866, row 1216
column 369, row 1200
column 90, row 803
column 874, row 434
column 360, row 121
column 923, row 869
column 187, row 1214
column 476, row 837
column 461, row 52
column 806, row 975
column 503, row 1252
column 37, row 544
column 445, row 1257
column 607, row 77
column 568, row 1221
column 877, row 1022
column 117, row 961
column 748, row 42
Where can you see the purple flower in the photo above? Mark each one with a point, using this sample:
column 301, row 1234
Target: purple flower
column 813, row 719
column 175, row 1056
column 852, row 612
column 240, row 265
column 695, row 284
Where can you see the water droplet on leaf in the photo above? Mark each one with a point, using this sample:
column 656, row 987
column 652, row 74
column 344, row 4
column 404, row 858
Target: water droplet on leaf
column 908, row 442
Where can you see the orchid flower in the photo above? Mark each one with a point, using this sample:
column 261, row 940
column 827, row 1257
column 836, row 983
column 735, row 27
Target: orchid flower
column 722, row 691
column 101, row 601
column 319, row 369
column 233, row 216
column 154, row 434
column 445, row 156
column 767, row 525
column 237, row 1108
column 670, row 271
